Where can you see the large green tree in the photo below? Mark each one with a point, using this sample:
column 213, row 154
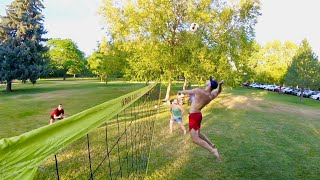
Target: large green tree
column 80, row 68
column 271, row 62
column 304, row 71
column 22, row 51
column 116, row 61
column 66, row 56
column 157, row 37
column 108, row 61
column 97, row 65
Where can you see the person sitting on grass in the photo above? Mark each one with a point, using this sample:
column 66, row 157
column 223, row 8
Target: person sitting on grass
column 177, row 111
column 57, row 114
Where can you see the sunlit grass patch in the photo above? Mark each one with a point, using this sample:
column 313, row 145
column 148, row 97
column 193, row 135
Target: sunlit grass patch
column 258, row 136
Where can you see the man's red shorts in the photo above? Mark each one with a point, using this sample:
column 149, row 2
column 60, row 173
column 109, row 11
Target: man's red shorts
column 195, row 121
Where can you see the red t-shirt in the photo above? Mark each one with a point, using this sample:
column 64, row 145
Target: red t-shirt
column 57, row 112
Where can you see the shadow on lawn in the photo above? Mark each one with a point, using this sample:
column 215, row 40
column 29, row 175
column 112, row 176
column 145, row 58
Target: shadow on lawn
column 44, row 88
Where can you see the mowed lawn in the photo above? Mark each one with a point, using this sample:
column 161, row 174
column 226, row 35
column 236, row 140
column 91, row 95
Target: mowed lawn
column 259, row 134
column 28, row 107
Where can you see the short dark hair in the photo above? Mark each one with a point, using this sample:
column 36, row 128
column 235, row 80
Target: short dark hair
column 213, row 83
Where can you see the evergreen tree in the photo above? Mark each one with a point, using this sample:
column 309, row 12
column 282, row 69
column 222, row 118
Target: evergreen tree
column 305, row 69
column 22, row 53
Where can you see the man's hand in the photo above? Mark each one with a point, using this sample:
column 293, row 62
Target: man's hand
column 221, row 82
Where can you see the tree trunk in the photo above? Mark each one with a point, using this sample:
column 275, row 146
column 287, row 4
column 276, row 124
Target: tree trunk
column 106, row 79
column 64, row 77
column 184, row 84
column 9, row 86
column 168, row 90
column 101, row 78
column 301, row 95
column 74, row 76
column 280, row 87
column 189, row 85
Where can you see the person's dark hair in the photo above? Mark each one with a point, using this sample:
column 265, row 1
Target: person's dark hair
column 213, row 83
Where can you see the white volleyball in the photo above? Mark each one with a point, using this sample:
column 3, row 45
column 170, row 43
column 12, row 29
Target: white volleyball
column 194, row 27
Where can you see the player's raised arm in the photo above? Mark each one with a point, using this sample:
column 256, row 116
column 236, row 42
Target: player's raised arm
column 215, row 94
column 192, row 91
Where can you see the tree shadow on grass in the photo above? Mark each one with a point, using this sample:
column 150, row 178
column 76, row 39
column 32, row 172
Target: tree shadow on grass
column 43, row 88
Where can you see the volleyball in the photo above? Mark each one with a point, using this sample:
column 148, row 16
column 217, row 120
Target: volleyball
column 194, row 27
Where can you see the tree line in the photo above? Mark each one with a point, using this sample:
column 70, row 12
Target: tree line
column 151, row 41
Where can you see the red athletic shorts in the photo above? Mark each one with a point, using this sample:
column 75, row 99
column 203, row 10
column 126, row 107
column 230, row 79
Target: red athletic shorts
column 195, row 121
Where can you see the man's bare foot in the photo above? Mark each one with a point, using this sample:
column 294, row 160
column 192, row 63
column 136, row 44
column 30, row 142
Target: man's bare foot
column 216, row 154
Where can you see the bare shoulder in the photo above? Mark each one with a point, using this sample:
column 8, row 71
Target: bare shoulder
column 196, row 90
column 191, row 91
column 201, row 91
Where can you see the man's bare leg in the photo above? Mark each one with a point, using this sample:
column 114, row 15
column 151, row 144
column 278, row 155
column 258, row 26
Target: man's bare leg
column 202, row 136
column 197, row 140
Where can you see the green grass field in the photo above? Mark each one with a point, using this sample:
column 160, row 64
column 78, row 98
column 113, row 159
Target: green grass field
column 259, row 134
column 29, row 107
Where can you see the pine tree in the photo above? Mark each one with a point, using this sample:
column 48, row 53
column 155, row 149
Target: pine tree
column 22, row 53
column 304, row 70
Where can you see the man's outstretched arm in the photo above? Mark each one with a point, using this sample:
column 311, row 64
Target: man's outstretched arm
column 215, row 94
column 192, row 91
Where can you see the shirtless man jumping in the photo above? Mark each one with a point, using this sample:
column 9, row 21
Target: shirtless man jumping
column 202, row 97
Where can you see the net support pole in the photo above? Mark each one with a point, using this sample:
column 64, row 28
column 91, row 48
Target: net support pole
column 91, row 175
column 57, row 170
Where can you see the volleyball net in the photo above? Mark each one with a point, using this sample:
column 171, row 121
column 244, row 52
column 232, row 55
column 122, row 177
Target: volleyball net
column 109, row 141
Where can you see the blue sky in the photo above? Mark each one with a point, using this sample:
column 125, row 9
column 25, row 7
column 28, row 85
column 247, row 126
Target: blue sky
column 282, row 20
column 73, row 19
